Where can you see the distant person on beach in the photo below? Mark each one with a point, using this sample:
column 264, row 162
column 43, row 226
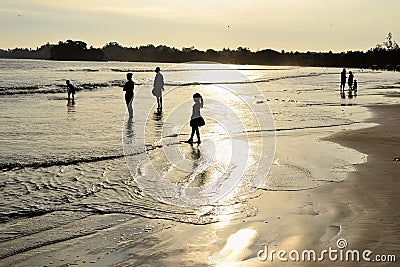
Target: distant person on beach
column 355, row 87
column 350, row 81
column 71, row 90
column 342, row 80
column 196, row 120
column 158, row 87
column 128, row 88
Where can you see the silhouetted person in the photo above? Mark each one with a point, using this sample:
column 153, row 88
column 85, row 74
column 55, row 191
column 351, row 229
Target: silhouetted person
column 342, row 80
column 355, row 85
column 71, row 90
column 158, row 87
column 196, row 120
column 128, row 88
column 350, row 81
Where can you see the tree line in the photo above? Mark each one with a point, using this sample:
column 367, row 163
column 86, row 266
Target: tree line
column 383, row 56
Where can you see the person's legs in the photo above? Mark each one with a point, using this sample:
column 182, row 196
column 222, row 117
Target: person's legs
column 191, row 135
column 158, row 104
column 130, row 110
column 128, row 101
column 198, row 134
column 161, row 103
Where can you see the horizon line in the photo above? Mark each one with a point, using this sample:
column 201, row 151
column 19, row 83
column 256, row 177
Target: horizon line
column 229, row 48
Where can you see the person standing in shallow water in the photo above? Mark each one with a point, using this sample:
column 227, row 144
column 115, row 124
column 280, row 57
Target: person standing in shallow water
column 158, row 87
column 71, row 90
column 355, row 86
column 196, row 120
column 342, row 80
column 350, row 81
column 128, row 88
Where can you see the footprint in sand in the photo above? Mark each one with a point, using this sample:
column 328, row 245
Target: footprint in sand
column 331, row 232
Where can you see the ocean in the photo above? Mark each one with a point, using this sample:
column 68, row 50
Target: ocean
column 62, row 162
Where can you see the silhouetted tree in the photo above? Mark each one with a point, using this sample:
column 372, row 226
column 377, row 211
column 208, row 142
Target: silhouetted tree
column 389, row 44
column 384, row 56
column 75, row 50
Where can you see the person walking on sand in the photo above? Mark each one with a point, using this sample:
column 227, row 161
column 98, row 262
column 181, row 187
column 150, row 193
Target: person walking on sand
column 196, row 119
column 158, row 87
column 350, row 81
column 71, row 90
column 342, row 80
column 128, row 88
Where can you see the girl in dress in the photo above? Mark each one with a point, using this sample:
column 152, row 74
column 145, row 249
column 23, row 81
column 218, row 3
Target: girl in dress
column 196, row 120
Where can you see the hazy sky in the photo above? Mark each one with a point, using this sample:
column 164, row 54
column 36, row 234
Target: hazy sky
column 298, row 25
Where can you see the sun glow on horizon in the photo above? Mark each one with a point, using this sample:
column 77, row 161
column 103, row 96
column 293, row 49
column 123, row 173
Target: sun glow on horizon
column 290, row 25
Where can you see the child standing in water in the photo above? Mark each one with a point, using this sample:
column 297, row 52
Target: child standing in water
column 196, row 120
column 71, row 90
column 355, row 87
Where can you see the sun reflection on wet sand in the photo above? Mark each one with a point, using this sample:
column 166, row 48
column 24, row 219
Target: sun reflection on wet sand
column 236, row 246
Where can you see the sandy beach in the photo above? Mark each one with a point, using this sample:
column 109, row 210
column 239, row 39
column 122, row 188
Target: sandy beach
column 372, row 189
column 73, row 201
column 363, row 209
column 199, row 133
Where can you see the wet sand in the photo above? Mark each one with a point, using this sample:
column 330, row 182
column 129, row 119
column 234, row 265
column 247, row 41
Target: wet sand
column 363, row 209
column 373, row 191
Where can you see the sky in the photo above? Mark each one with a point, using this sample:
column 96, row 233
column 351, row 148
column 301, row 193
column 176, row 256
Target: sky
column 290, row 25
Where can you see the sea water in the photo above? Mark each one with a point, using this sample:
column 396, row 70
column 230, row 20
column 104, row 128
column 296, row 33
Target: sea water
column 71, row 160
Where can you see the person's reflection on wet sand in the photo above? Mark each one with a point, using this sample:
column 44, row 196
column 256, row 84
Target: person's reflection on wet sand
column 71, row 106
column 203, row 177
column 129, row 129
column 350, row 94
column 195, row 155
column 158, row 118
